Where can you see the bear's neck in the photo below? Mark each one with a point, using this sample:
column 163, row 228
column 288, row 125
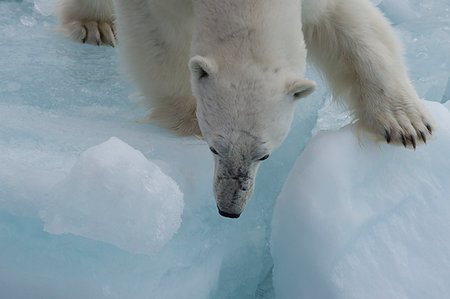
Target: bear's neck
column 250, row 32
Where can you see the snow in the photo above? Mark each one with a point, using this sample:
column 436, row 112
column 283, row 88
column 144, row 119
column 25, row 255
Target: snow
column 365, row 221
column 96, row 204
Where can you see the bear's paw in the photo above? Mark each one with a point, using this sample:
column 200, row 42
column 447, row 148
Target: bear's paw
column 403, row 121
column 91, row 32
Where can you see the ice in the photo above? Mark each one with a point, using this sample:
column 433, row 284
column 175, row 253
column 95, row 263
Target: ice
column 60, row 100
column 398, row 11
column 45, row 7
column 376, row 2
column 114, row 194
column 332, row 116
column 425, row 33
column 447, row 104
column 446, row 96
column 28, row 21
column 357, row 220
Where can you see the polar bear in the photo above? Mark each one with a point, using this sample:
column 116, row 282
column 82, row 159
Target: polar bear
column 232, row 70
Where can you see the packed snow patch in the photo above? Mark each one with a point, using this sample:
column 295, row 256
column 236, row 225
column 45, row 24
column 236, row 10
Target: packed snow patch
column 114, row 194
column 360, row 220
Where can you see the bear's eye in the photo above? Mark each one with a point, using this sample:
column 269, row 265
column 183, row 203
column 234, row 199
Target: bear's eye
column 213, row 150
column 264, row 158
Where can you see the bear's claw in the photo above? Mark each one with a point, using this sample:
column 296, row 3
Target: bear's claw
column 423, row 137
column 403, row 139
column 404, row 120
column 429, row 129
column 84, row 34
column 91, row 32
column 408, row 136
column 413, row 141
column 387, row 135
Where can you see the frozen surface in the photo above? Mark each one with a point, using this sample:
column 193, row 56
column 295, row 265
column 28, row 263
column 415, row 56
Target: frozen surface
column 357, row 220
column 60, row 102
column 114, row 194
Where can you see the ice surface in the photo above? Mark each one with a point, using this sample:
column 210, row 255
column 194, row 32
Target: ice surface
column 59, row 99
column 447, row 104
column 424, row 29
column 45, row 7
column 357, row 220
column 114, row 194
column 332, row 116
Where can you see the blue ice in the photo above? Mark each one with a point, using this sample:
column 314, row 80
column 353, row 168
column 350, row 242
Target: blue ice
column 96, row 204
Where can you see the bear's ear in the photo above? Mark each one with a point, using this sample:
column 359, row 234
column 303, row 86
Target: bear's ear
column 202, row 67
column 300, row 88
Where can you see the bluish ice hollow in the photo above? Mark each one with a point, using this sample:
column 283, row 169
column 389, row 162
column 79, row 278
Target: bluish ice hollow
column 96, row 204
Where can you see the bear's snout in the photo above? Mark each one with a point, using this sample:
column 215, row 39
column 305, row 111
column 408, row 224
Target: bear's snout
column 232, row 194
column 234, row 182
column 228, row 215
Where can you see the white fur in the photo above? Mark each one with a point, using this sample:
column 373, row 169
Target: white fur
column 246, row 67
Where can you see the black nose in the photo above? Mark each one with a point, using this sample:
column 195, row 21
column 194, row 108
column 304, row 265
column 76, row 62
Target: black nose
column 225, row 214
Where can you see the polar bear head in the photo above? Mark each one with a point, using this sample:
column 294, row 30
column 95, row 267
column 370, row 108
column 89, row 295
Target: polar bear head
column 244, row 113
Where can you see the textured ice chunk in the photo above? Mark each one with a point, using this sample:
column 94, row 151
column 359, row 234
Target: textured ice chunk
column 332, row 116
column 365, row 221
column 114, row 194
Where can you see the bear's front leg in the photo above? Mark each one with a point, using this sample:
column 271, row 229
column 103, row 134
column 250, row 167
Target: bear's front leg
column 354, row 46
column 87, row 21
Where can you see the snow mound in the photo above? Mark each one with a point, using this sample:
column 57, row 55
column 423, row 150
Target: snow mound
column 114, row 194
column 357, row 220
